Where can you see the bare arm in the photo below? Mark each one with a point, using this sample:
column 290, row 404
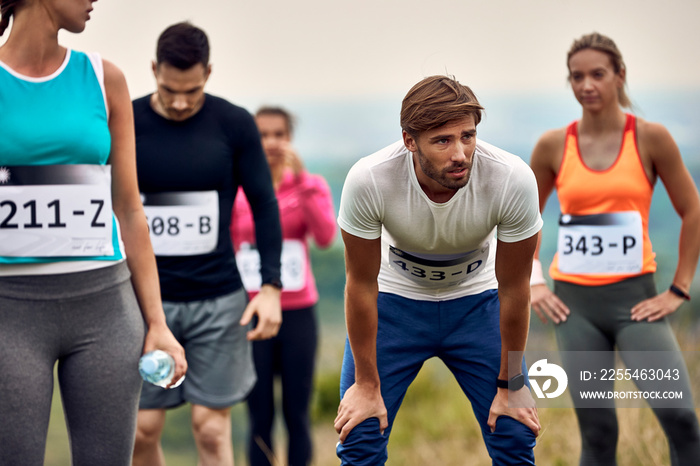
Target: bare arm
column 545, row 163
column 656, row 141
column 132, row 219
column 363, row 399
column 513, row 266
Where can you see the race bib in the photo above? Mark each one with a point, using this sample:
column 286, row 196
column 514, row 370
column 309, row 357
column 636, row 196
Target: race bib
column 56, row 210
column 439, row 273
column 293, row 266
column 182, row 223
column 608, row 243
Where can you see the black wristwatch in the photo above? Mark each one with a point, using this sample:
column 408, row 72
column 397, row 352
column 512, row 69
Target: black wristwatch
column 514, row 384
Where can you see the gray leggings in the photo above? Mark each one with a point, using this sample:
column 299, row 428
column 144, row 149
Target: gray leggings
column 91, row 324
column 600, row 321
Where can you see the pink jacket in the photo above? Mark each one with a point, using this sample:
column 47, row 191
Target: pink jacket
column 306, row 209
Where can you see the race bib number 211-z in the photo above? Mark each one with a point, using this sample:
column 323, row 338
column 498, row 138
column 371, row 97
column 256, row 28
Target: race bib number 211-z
column 56, row 211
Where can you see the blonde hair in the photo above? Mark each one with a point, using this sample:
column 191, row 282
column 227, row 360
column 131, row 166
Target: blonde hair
column 601, row 43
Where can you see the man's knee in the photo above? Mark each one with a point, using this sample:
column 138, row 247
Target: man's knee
column 211, row 427
column 364, row 445
column 512, row 443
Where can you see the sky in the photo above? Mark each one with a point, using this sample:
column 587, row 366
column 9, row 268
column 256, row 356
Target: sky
column 343, row 66
column 348, row 49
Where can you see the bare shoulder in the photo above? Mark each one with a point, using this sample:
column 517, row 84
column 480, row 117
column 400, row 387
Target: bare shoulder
column 654, row 139
column 114, row 77
column 115, row 85
column 651, row 132
column 550, row 146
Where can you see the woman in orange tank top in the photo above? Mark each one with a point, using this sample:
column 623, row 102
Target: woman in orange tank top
column 604, row 168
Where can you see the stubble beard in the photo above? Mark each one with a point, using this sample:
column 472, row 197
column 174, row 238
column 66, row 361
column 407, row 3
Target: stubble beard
column 441, row 177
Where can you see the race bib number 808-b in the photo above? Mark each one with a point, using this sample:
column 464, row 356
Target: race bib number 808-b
column 182, row 223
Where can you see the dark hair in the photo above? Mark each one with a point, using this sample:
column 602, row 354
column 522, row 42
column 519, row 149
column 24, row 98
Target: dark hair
column 289, row 119
column 183, row 45
column 435, row 101
column 7, row 9
column 601, row 43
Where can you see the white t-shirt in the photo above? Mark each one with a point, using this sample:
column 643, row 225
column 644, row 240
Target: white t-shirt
column 437, row 251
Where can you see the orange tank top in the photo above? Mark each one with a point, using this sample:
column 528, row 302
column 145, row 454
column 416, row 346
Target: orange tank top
column 604, row 227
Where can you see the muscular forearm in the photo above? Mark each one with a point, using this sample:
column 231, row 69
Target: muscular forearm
column 361, row 321
column 515, row 320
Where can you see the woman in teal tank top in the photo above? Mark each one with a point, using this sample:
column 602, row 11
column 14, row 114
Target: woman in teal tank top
column 78, row 278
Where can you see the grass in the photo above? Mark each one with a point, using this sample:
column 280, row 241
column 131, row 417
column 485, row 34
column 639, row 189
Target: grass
column 434, row 426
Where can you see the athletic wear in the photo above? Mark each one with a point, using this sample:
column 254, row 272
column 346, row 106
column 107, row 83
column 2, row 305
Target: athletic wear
column 465, row 334
column 189, row 172
column 306, row 210
column 220, row 362
column 69, row 108
column 291, row 354
column 60, row 119
column 600, row 321
column 217, row 149
column 605, row 211
column 622, row 188
column 382, row 197
column 437, row 284
column 89, row 322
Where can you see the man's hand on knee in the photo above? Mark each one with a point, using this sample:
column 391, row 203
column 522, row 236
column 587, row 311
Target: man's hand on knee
column 360, row 402
column 517, row 404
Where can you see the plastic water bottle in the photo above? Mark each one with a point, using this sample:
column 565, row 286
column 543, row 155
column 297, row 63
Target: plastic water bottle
column 157, row 367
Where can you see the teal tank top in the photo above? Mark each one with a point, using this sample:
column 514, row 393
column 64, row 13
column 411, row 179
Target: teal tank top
column 60, row 119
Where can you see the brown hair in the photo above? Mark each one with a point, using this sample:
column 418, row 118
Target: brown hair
column 437, row 100
column 289, row 119
column 601, row 43
column 7, row 9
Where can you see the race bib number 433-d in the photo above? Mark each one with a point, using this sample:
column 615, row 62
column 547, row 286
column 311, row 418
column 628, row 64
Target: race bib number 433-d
column 433, row 273
column 609, row 243
column 182, row 223
column 56, row 210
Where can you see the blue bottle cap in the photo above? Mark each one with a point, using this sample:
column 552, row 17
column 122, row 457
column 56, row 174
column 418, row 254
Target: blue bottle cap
column 149, row 365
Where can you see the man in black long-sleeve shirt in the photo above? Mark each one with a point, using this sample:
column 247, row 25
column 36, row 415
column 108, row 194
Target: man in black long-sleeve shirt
column 193, row 152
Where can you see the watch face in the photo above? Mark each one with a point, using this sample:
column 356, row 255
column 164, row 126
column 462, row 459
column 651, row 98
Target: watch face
column 517, row 382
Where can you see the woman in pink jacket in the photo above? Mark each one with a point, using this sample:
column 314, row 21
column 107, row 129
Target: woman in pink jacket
column 306, row 209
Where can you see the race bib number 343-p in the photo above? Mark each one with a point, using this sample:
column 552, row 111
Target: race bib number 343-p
column 182, row 223
column 609, row 243
column 55, row 210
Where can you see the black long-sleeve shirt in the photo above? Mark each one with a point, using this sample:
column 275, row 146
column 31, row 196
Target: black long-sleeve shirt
column 217, row 149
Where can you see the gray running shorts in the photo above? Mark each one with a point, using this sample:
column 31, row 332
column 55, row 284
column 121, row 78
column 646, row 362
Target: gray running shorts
column 220, row 360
